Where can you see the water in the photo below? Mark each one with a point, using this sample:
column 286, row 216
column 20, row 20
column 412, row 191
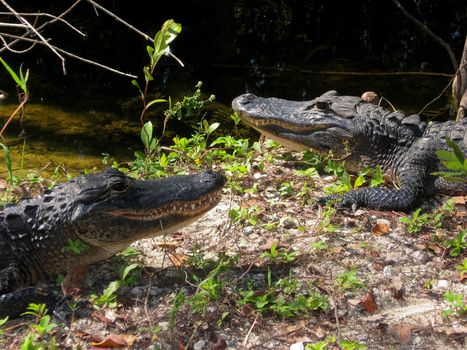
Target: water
column 77, row 140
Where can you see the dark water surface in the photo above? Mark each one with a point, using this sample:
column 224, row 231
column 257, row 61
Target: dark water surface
column 76, row 139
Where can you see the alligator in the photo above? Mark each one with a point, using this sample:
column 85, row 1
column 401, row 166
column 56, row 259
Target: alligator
column 364, row 134
column 88, row 219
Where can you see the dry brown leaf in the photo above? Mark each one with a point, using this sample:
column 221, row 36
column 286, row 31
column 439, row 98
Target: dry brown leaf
column 111, row 341
column 220, row 344
column 336, row 250
column 178, row 259
column 130, row 339
column 459, row 199
column 397, row 288
column 170, row 245
column 369, row 302
column 402, row 332
column 380, row 229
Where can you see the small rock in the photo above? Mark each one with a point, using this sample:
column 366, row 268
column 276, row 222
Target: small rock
column 389, row 271
column 137, row 291
column 443, row 284
column 420, row 256
column 248, row 230
column 199, row 345
column 297, row 346
column 164, row 325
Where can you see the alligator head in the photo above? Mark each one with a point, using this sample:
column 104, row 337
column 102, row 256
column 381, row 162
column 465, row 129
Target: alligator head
column 106, row 211
column 113, row 209
column 322, row 124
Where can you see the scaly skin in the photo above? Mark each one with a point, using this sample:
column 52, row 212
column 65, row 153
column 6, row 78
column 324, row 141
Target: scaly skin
column 103, row 213
column 364, row 135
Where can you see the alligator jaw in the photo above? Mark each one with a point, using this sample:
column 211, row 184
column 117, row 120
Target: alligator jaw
column 187, row 209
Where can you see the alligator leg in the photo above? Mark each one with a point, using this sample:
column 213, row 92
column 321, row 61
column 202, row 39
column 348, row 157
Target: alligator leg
column 402, row 199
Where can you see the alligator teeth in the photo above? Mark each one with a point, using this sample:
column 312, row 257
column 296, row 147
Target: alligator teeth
column 191, row 208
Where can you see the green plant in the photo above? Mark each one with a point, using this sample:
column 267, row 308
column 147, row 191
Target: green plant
column 249, row 214
column 160, row 46
column 210, row 288
column 454, row 161
column 76, row 246
column 283, row 298
column 9, row 164
column 349, row 280
column 42, row 327
column 320, row 245
column 458, row 244
column 329, row 341
column 416, row 222
column 21, row 81
column 325, row 222
column 278, row 255
column 2, row 322
column 108, row 297
column 456, row 303
column 462, row 267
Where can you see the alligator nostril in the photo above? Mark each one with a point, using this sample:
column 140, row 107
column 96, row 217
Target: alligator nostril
column 243, row 100
column 212, row 176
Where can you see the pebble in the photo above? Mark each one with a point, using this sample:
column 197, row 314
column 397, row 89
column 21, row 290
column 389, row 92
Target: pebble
column 443, row 284
column 137, row 291
column 420, row 256
column 248, row 230
column 297, row 346
column 164, row 325
column 199, row 345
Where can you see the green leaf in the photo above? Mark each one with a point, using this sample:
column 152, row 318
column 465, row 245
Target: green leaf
column 146, row 134
column 171, row 30
column 446, row 156
column 456, row 148
column 128, row 269
column 159, row 100
column 213, row 127
column 14, row 75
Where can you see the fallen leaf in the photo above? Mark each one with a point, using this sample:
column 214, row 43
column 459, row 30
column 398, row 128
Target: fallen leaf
column 130, row 339
column 220, row 344
column 459, row 199
column 171, row 245
column 111, row 341
column 402, row 332
column 397, row 288
column 178, row 259
column 336, row 250
column 369, row 302
column 381, row 228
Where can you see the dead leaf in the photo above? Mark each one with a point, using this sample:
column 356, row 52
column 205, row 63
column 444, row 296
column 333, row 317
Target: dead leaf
column 369, row 302
column 220, row 344
column 459, row 200
column 402, row 332
column 336, row 250
column 397, row 288
column 111, row 341
column 130, row 339
column 381, row 229
column 178, row 259
column 169, row 245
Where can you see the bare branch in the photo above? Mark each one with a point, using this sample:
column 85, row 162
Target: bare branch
column 25, row 21
column 74, row 56
column 95, row 4
column 428, row 31
column 38, row 14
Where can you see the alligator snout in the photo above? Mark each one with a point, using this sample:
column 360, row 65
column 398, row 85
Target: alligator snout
column 242, row 100
column 218, row 179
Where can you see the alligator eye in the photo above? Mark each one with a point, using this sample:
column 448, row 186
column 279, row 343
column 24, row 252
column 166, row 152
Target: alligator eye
column 119, row 186
column 321, row 105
